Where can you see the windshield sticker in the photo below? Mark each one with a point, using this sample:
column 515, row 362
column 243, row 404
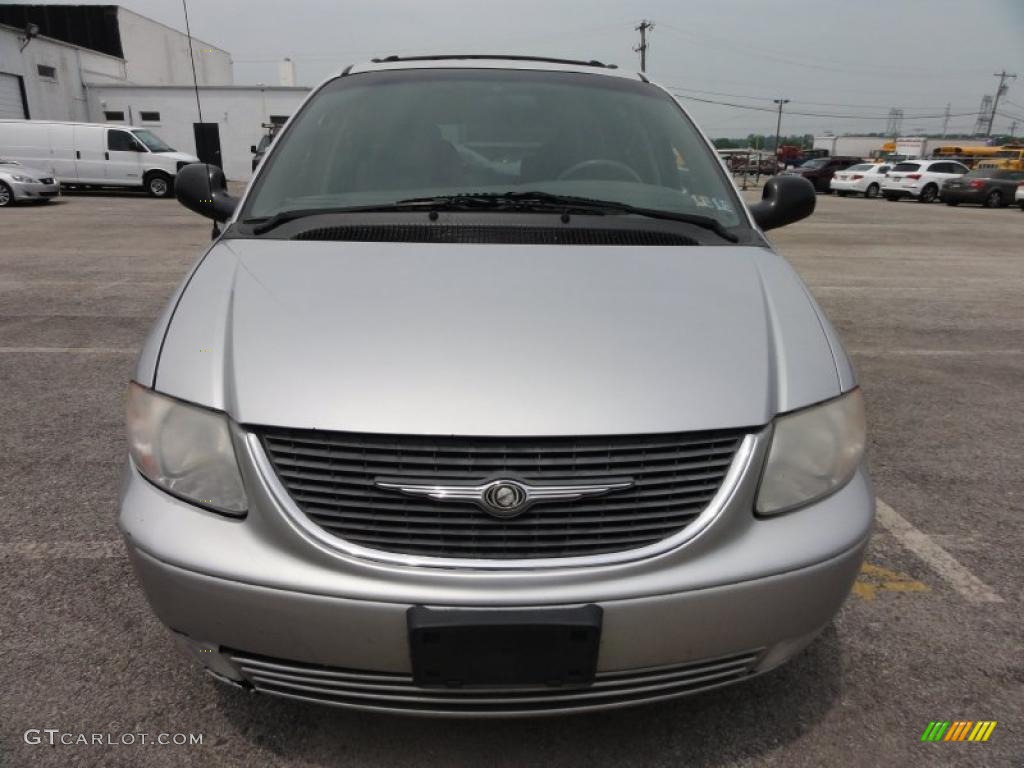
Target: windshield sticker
column 715, row 203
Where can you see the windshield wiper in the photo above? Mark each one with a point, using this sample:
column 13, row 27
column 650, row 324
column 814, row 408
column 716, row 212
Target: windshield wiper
column 263, row 225
column 531, row 201
column 522, row 201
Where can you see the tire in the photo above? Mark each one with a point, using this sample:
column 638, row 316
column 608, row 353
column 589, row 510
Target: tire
column 6, row 195
column 994, row 199
column 159, row 185
column 928, row 194
column 872, row 190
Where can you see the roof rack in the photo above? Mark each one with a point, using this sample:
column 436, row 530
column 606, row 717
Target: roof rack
column 474, row 56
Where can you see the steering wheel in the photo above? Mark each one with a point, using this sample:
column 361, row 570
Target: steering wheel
column 597, row 163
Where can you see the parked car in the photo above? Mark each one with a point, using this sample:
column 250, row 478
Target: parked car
column 819, row 170
column 259, row 150
column 95, row 154
column 920, row 179
column 861, row 179
column 991, row 187
column 1019, row 196
column 417, row 434
column 19, row 183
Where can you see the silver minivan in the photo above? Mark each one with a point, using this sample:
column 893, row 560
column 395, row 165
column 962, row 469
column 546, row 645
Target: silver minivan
column 490, row 397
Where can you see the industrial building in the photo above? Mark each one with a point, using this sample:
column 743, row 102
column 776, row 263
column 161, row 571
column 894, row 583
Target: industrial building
column 104, row 63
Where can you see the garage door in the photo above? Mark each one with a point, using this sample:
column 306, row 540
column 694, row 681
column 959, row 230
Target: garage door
column 11, row 104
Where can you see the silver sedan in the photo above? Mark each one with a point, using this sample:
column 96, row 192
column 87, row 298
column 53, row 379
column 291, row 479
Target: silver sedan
column 19, row 183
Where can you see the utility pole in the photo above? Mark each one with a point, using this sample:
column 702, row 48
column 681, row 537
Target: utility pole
column 945, row 122
column 1013, row 129
column 645, row 27
column 1003, row 77
column 778, row 127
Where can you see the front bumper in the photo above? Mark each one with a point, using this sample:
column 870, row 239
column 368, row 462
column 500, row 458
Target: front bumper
column 261, row 604
column 24, row 191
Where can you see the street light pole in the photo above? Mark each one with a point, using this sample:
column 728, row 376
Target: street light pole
column 778, row 128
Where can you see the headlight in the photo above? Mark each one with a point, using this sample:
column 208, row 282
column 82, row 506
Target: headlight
column 23, row 179
column 814, row 452
column 185, row 449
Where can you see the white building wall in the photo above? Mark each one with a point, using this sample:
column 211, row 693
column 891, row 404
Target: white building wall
column 159, row 55
column 239, row 111
column 62, row 97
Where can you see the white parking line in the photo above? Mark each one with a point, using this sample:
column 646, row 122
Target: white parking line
column 73, row 350
column 970, row 587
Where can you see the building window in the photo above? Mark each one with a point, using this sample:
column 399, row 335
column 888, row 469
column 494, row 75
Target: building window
column 47, row 72
column 114, row 117
column 149, row 117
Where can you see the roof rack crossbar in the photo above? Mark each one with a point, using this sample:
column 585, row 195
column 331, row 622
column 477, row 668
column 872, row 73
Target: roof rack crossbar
column 503, row 57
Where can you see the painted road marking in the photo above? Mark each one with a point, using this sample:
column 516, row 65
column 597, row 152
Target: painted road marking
column 970, row 587
column 875, row 578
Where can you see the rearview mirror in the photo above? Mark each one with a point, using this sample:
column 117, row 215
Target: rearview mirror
column 252, row 148
column 202, row 188
column 785, row 199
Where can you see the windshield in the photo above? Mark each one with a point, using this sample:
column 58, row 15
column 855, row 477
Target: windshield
column 817, row 162
column 153, row 142
column 384, row 137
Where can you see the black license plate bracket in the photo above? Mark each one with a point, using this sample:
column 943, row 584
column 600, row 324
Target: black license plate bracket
column 456, row 647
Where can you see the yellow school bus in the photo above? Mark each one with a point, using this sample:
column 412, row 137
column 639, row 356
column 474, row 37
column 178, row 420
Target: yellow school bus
column 1008, row 158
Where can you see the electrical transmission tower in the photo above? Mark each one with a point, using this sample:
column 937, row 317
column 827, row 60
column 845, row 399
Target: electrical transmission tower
column 985, row 115
column 895, row 123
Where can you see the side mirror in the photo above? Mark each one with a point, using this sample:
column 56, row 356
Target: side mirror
column 252, row 148
column 202, row 188
column 785, row 199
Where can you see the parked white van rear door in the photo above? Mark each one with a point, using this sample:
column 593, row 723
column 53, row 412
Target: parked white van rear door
column 91, row 154
column 124, row 151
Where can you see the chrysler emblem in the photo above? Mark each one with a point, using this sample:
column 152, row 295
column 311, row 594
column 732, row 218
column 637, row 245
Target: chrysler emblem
column 504, row 497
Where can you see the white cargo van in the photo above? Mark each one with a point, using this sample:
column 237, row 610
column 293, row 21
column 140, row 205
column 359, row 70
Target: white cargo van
column 94, row 154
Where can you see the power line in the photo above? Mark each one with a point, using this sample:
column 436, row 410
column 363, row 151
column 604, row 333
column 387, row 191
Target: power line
column 745, row 50
column 768, row 100
column 756, row 108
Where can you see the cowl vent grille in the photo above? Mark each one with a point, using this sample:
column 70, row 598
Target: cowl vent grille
column 457, row 233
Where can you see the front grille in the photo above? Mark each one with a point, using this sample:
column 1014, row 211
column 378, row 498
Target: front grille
column 397, row 693
column 475, row 233
column 331, row 477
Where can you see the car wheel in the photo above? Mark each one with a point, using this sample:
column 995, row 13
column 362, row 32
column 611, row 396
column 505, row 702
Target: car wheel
column 6, row 196
column 994, row 199
column 871, row 191
column 928, row 194
column 158, row 185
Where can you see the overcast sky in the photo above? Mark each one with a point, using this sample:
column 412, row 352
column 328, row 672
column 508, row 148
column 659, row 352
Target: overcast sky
column 837, row 57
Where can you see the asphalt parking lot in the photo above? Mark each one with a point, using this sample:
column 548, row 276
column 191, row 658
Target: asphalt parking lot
column 929, row 301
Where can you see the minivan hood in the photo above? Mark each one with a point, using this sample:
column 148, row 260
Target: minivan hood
column 495, row 339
